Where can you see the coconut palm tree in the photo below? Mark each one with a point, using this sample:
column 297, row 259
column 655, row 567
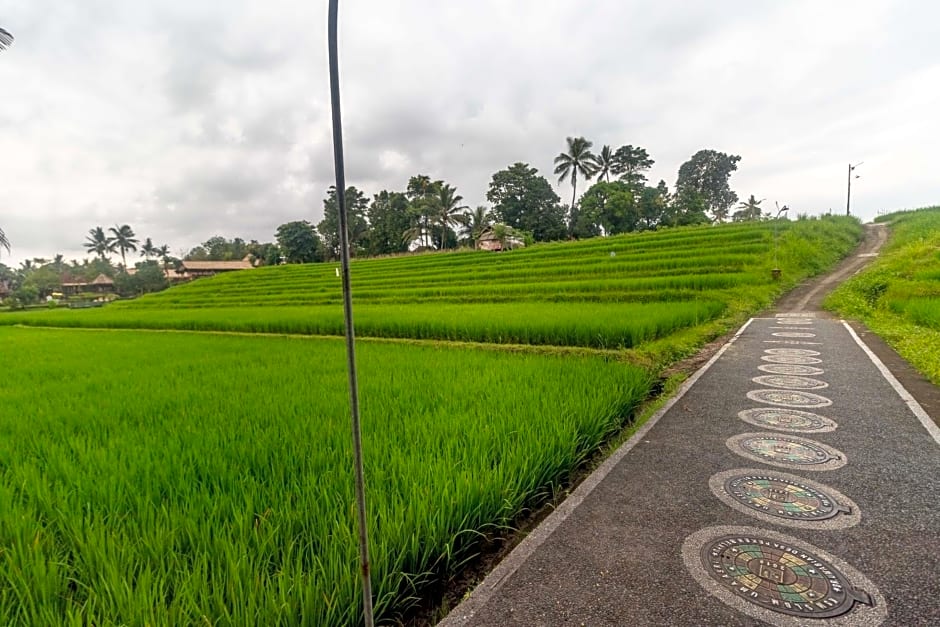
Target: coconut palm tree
column 122, row 238
column 148, row 250
column 605, row 163
column 164, row 254
column 749, row 210
column 4, row 242
column 475, row 222
column 97, row 242
column 578, row 159
column 6, row 39
column 447, row 209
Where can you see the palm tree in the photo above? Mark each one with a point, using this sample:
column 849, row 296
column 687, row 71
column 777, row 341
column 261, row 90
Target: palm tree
column 475, row 222
column 447, row 209
column 605, row 163
column 578, row 159
column 4, row 242
column 164, row 254
column 122, row 238
column 97, row 242
column 6, row 39
column 148, row 250
column 749, row 210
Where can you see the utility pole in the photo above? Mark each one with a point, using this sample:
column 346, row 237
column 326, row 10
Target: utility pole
column 848, row 195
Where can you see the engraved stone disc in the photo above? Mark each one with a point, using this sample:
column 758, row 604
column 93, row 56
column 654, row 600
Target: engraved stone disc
column 790, row 359
column 805, row 352
column 790, row 369
column 789, row 398
column 793, row 334
column 786, row 451
column 784, row 499
column 791, row 420
column 781, row 580
column 790, row 382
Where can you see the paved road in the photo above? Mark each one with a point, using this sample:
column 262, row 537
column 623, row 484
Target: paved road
column 778, row 488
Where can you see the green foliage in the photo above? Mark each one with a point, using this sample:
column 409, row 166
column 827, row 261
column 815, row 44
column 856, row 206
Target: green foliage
column 898, row 296
column 209, row 483
column 147, row 278
column 631, row 164
column 608, row 205
column 578, row 160
column 707, row 174
column 388, row 220
column 298, row 242
column 357, row 226
column 522, row 199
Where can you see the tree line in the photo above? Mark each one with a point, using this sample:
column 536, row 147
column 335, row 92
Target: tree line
column 431, row 215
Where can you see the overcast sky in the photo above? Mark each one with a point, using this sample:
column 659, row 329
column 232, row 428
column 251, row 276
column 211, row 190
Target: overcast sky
column 193, row 118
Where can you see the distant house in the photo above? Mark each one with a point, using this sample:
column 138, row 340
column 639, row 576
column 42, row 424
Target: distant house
column 489, row 240
column 102, row 284
column 196, row 269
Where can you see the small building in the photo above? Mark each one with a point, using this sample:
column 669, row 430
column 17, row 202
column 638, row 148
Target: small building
column 488, row 240
column 102, row 284
column 196, row 269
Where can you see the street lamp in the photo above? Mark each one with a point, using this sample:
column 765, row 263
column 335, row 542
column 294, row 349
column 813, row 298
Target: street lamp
column 848, row 195
column 775, row 272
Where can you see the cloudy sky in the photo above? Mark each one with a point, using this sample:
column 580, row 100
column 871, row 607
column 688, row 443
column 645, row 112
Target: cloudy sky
column 193, row 118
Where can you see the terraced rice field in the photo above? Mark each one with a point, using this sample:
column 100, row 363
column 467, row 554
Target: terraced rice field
column 151, row 474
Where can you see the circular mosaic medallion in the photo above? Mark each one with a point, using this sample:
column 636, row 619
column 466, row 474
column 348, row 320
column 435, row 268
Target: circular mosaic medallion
column 790, row 382
column 804, row 352
column 780, row 580
column 790, row 369
column 786, row 451
column 789, row 398
column 787, row 420
column 784, row 499
column 793, row 334
column 790, row 359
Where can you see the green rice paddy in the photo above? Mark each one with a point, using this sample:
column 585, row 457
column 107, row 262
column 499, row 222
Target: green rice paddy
column 181, row 478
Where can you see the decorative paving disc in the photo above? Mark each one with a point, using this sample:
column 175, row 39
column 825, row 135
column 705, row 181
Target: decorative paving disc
column 796, row 369
column 786, row 451
column 791, row 420
column 790, row 359
column 790, row 382
column 804, row 352
column 793, row 334
column 789, row 398
column 784, row 499
column 784, row 580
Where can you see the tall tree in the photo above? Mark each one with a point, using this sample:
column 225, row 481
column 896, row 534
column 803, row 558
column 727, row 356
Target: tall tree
column 578, row 159
column 631, row 163
column 357, row 226
column 98, row 243
column 122, row 238
column 605, row 163
column 4, row 242
column 447, row 209
column 707, row 173
column 608, row 205
column 148, row 250
column 298, row 242
column 524, row 200
column 421, row 192
column 389, row 219
column 749, row 210
column 475, row 222
column 164, row 254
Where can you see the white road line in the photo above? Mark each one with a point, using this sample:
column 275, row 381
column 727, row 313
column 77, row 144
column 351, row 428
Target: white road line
column 911, row 402
column 481, row 595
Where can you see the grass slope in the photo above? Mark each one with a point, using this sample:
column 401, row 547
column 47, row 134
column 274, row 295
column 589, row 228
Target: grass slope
column 898, row 296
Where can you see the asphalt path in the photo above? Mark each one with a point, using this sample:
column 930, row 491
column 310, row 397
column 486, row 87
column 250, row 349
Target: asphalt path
column 778, row 487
